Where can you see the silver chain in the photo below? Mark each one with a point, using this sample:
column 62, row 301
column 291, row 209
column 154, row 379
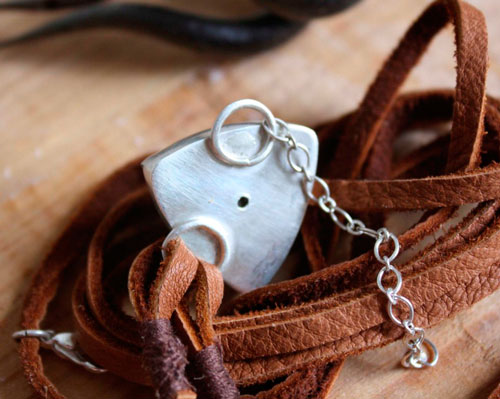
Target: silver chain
column 416, row 357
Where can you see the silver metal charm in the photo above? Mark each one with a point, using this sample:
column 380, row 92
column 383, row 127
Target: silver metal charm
column 63, row 344
column 228, row 192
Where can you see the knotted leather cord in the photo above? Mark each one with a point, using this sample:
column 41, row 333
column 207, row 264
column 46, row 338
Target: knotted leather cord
column 297, row 332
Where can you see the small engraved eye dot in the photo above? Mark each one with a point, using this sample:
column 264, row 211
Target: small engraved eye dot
column 243, row 202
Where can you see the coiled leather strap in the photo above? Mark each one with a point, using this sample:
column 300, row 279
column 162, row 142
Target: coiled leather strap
column 297, row 333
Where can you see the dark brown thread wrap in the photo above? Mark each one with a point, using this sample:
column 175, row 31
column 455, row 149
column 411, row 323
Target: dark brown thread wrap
column 165, row 358
column 208, row 373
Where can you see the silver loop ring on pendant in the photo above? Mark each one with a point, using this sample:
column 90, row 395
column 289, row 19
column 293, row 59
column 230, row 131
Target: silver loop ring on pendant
column 219, row 122
column 210, row 226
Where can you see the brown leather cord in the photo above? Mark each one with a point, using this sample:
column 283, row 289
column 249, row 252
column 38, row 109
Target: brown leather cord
column 383, row 91
column 478, row 185
column 289, row 339
column 471, row 41
column 64, row 253
column 371, row 123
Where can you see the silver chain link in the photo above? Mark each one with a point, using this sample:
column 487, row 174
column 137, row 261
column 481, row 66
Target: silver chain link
column 417, row 357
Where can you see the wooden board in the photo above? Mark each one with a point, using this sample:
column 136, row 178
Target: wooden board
column 73, row 108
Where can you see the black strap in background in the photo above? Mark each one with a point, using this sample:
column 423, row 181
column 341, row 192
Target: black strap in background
column 231, row 36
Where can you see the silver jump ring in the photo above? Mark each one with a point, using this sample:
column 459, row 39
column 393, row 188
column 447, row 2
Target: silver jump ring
column 273, row 133
column 308, row 177
column 368, row 232
column 348, row 219
column 327, row 204
column 42, row 335
column 415, row 342
column 357, row 228
column 399, row 279
column 376, row 248
column 407, row 302
column 309, row 192
column 217, row 128
column 291, row 142
column 296, row 167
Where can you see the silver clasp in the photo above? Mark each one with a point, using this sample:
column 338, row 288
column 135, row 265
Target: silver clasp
column 418, row 357
column 63, row 344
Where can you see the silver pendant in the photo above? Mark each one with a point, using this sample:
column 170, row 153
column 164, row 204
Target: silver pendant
column 230, row 194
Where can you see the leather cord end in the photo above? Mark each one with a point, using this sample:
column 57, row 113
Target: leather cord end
column 207, row 371
column 165, row 358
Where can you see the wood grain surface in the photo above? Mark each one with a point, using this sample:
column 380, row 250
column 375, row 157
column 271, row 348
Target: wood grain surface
column 75, row 107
